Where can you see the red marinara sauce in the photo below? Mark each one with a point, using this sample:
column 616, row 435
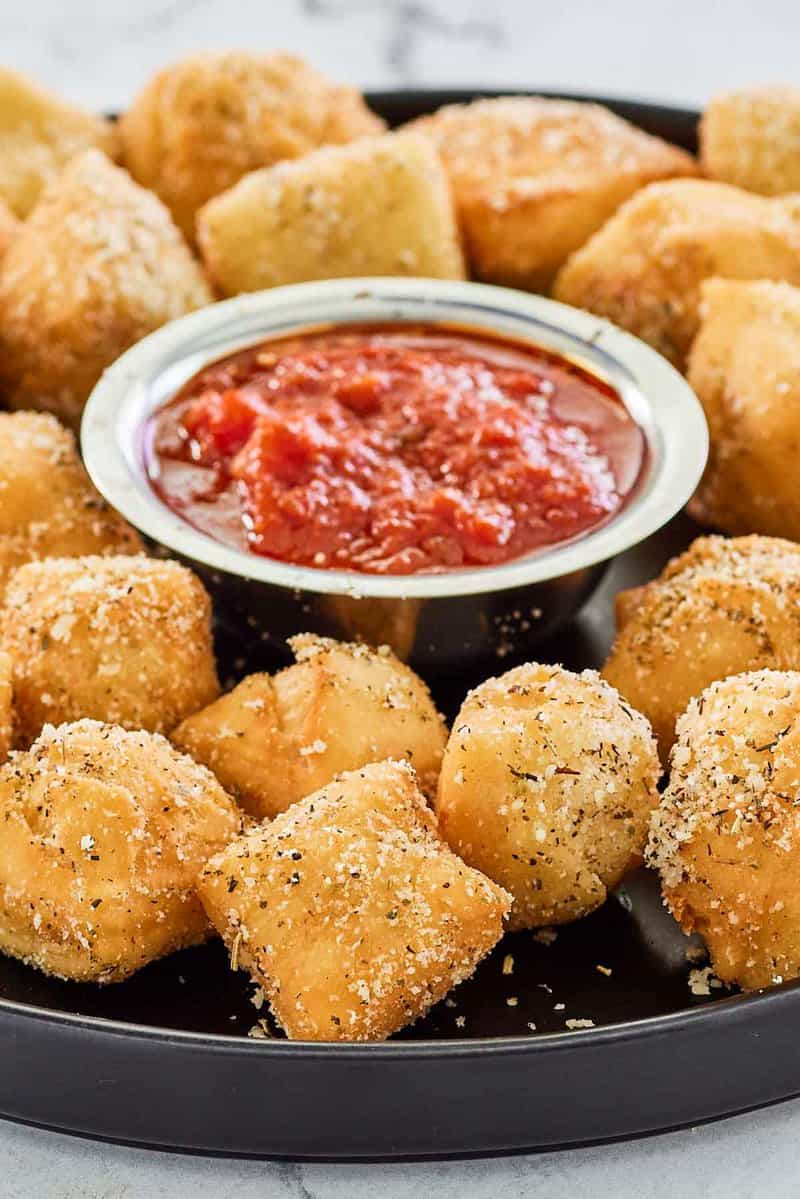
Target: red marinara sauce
column 394, row 449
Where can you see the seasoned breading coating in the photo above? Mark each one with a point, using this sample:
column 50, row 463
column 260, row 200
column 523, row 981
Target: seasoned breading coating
column 6, row 707
column 751, row 138
column 48, row 507
column 9, row 226
column 124, row 640
column 381, row 206
column 276, row 738
column 39, row 134
column 722, row 607
column 643, row 270
column 349, row 911
column 201, row 124
column 547, row 784
column 97, row 265
column 726, row 837
column 533, row 178
column 104, row 835
column 745, row 368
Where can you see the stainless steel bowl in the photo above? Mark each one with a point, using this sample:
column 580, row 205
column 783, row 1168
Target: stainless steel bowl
column 458, row 619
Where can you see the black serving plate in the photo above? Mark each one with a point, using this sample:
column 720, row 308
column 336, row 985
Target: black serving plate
column 165, row 1060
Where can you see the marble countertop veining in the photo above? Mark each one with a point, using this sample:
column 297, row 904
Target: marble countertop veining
column 673, row 50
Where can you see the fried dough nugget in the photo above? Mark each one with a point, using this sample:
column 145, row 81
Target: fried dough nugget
column 533, row 178
column 274, row 739
column 39, row 134
column 48, row 507
column 349, row 911
column 6, row 707
column 104, row 835
column 722, row 607
column 97, row 265
column 9, row 226
column 547, row 785
column 124, row 640
column 751, row 138
column 644, row 268
column 744, row 366
column 380, row 206
column 200, row 125
column 726, row 837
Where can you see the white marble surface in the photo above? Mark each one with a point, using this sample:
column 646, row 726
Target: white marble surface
column 749, row 1157
column 678, row 50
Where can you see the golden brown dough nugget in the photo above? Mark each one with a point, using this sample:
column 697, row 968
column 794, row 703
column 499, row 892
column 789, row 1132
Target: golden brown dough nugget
column 722, row 607
column 276, row 738
column 125, row 640
column 547, row 785
column 644, row 268
column 104, row 835
column 751, row 138
column 726, row 837
column 48, row 507
column 39, row 134
column 380, row 206
column 744, row 366
column 6, row 707
column 9, row 226
column 96, row 266
column 201, row 124
column 349, row 911
column 533, row 178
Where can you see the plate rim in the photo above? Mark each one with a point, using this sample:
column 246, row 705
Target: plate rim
column 375, row 96
column 286, row 1084
column 726, row 1008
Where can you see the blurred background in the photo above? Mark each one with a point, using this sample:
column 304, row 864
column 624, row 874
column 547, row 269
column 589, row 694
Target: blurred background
column 675, row 50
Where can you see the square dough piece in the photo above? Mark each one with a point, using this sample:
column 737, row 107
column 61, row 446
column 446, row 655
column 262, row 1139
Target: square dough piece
column 9, row 227
column 380, row 206
column 202, row 123
column 39, row 134
column 276, row 738
column 6, row 708
column 104, row 835
column 533, row 178
column 349, row 911
column 724, row 606
column 97, row 266
column 745, row 368
column 751, row 138
column 126, row 640
column 48, row 506
column 644, row 269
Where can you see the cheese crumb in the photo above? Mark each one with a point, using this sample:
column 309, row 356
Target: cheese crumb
column 702, row 980
column 545, row 936
column 260, row 1031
